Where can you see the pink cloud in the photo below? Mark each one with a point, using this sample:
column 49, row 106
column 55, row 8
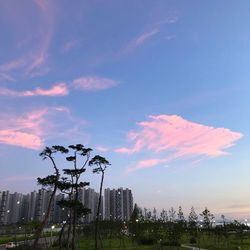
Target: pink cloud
column 21, row 139
column 23, row 131
column 47, row 23
column 93, row 83
column 149, row 163
column 32, row 129
column 59, row 89
column 31, row 62
column 173, row 134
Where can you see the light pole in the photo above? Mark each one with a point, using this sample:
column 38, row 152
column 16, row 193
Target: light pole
column 52, row 227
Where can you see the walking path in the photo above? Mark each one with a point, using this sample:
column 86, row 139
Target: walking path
column 192, row 247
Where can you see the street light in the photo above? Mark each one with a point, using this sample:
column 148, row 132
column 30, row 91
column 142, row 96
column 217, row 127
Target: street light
column 52, row 227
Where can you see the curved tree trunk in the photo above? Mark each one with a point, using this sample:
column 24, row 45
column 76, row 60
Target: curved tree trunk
column 45, row 221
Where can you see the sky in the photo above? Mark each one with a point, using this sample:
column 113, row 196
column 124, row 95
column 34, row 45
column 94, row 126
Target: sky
column 160, row 88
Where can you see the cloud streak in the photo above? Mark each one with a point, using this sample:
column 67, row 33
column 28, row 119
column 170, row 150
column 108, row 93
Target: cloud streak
column 144, row 37
column 25, row 130
column 182, row 138
column 140, row 40
column 93, row 83
column 59, row 89
column 32, row 129
column 88, row 84
column 32, row 61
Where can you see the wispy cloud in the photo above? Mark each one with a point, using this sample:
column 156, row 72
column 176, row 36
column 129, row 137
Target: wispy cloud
column 144, row 37
column 6, row 77
column 19, row 178
column 32, row 129
column 93, row 83
column 140, row 40
column 101, row 148
column 59, row 89
column 40, row 31
column 172, row 133
column 88, row 83
column 156, row 28
column 24, row 131
column 69, row 45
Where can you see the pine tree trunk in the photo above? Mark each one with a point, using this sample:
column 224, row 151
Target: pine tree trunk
column 98, row 213
column 75, row 218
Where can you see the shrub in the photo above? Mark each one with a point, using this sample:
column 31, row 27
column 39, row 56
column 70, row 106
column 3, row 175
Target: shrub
column 192, row 240
column 146, row 240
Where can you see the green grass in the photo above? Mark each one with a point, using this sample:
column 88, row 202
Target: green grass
column 213, row 242
column 206, row 241
column 119, row 244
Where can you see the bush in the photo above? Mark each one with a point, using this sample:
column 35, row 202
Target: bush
column 146, row 240
column 192, row 240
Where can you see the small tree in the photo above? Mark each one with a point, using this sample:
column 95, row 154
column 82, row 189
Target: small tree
column 207, row 218
column 134, row 220
column 180, row 215
column 193, row 226
column 181, row 218
column 101, row 165
column 192, row 219
column 172, row 214
column 164, row 216
column 154, row 217
column 225, row 231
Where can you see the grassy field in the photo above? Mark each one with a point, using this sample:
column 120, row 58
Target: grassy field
column 205, row 241
column 117, row 244
column 209, row 242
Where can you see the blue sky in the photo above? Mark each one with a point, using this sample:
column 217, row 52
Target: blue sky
column 160, row 88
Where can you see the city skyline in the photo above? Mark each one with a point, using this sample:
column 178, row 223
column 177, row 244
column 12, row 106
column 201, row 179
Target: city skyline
column 159, row 88
column 116, row 204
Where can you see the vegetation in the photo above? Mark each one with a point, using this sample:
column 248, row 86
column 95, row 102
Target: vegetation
column 149, row 234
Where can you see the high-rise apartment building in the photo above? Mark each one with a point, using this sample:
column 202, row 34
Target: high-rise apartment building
column 4, row 207
column 20, row 208
column 118, row 204
column 89, row 199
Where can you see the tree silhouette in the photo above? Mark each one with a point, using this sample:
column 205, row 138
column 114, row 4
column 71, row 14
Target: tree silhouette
column 164, row 216
column 73, row 184
column 51, row 181
column 172, row 214
column 207, row 218
column 101, row 165
column 192, row 219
